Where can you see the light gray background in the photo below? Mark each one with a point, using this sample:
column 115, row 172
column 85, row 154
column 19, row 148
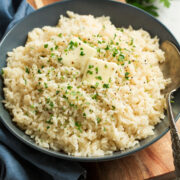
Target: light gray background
column 170, row 17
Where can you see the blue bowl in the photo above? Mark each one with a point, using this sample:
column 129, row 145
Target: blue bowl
column 121, row 15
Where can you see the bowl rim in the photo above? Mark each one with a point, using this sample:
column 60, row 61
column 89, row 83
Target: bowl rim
column 83, row 158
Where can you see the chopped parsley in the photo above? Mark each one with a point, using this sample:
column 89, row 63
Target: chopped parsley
column 106, row 86
column 57, row 92
column 106, row 66
column 121, row 29
column 78, row 125
column 99, row 77
column 95, row 96
column 51, row 104
column 40, row 90
column 98, row 120
column 72, row 45
column 115, row 52
column 113, row 107
column 69, row 87
column 132, row 40
column 47, row 100
column 56, row 47
column 60, row 34
column 96, row 85
column 65, row 97
column 93, row 87
column 82, row 53
column 72, row 105
column 107, row 48
column 27, row 70
column 89, row 72
column 49, row 121
column 91, row 66
column 52, row 54
column 121, row 58
column 84, row 114
column 45, row 85
column 60, row 59
column 98, row 50
column 96, row 69
column 45, row 45
column 126, row 75
column 39, row 71
column 32, row 106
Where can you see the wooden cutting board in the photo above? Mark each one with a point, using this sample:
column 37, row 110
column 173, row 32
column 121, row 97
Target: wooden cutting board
column 154, row 162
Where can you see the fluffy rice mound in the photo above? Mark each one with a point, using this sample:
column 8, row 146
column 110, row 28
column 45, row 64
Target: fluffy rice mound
column 72, row 105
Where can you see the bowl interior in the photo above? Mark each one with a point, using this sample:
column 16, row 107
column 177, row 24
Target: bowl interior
column 121, row 15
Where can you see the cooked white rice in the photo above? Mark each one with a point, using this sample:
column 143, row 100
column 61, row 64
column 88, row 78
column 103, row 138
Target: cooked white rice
column 62, row 107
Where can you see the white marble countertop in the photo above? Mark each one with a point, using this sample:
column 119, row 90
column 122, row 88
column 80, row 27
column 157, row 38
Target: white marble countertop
column 170, row 17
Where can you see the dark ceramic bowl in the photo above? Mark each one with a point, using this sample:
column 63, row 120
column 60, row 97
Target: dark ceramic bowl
column 121, row 15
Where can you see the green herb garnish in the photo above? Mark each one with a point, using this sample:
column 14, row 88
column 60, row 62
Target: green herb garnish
column 107, row 48
column 106, row 86
column 27, row 70
column 49, row 121
column 148, row 5
column 57, row 92
column 98, row 120
column 89, row 72
column 60, row 59
column 98, row 50
column 78, row 125
column 45, row 45
column 82, row 53
column 121, row 58
column 96, row 69
column 99, row 77
column 51, row 104
column 115, row 52
column 39, row 71
column 60, row 34
column 126, row 75
column 45, row 85
column 91, row 66
column 95, row 96
column 69, row 87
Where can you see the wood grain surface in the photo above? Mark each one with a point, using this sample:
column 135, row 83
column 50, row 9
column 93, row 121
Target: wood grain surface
column 154, row 162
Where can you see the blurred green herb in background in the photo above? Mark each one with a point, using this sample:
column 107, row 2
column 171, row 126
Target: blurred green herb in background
column 148, row 5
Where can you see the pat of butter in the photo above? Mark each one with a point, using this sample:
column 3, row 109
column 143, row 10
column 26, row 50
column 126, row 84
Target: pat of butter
column 78, row 55
column 99, row 71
